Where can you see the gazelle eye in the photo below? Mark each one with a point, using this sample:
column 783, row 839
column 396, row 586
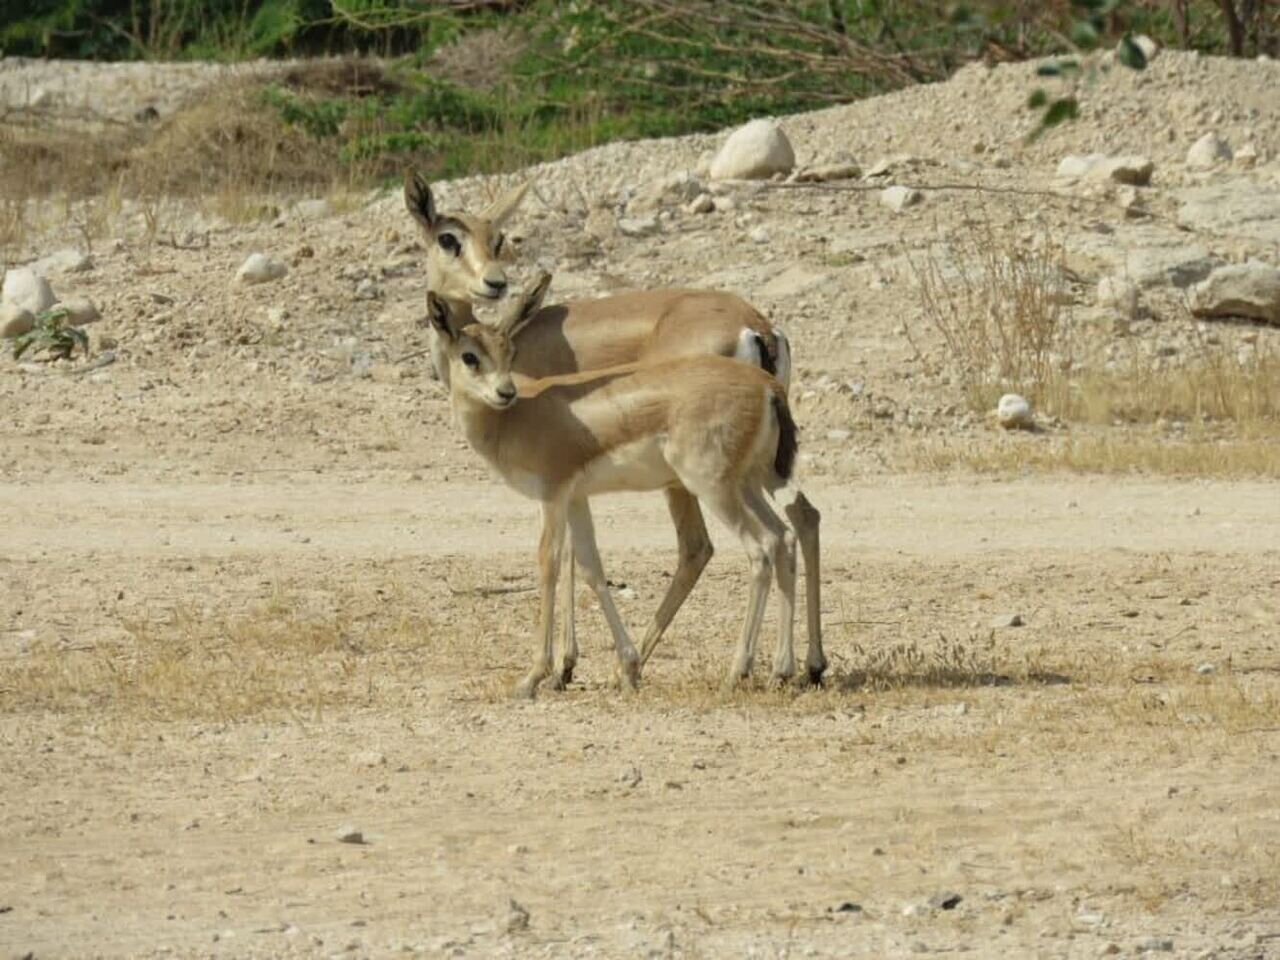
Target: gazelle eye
column 449, row 244
column 470, row 360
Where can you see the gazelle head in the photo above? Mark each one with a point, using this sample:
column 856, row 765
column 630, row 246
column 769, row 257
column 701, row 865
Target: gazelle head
column 480, row 355
column 465, row 253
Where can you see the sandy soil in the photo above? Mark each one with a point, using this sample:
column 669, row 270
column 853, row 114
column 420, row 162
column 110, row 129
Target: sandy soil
column 1133, row 801
column 254, row 592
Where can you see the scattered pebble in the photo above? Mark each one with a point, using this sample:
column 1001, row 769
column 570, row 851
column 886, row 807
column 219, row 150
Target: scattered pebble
column 259, row 268
column 897, row 198
column 25, row 288
column 1014, row 412
column 349, row 834
column 1207, row 152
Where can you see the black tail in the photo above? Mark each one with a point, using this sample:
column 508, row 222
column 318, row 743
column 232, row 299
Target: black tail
column 768, row 362
column 785, row 459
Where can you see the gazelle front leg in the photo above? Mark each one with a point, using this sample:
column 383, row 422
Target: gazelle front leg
column 549, row 550
column 694, row 554
column 588, row 555
column 568, row 655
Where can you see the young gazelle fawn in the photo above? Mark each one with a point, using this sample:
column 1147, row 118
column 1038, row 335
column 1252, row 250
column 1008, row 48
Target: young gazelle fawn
column 717, row 429
column 464, row 265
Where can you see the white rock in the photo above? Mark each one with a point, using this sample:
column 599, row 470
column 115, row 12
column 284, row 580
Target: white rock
column 1247, row 156
column 702, row 203
column 1120, row 295
column 368, row 289
column 27, row 289
column 80, row 310
column 1144, row 43
column 754, row 151
column 1014, row 412
column 725, row 204
column 68, row 260
column 637, row 226
column 259, row 268
column 349, row 834
column 759, row 235
column 898, row 197
column 1209, row 151
column 1239, row 290
column 15, row 321
column 1076, row 166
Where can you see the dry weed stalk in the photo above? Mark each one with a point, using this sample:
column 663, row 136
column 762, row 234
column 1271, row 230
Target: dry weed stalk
column 1001, row 306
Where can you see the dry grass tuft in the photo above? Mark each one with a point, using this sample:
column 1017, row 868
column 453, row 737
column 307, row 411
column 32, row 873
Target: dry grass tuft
column 277, row 659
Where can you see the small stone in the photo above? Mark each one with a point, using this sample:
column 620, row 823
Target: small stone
column 25, row 288
column 759, row 235
column 1155, row 945
column 349, row 834
column 1076, row 166
column 821, row 173
column 945, row 901
column 755, row 151
column 1205, row 669
column 631, row 777
column 1110, row 950
column 369, row 758
column 1247, row 156
column 725, row 204
column 849, row 907
column 637, row 226
column 897, row 198
column 1133, row 170
column 1149, row 47
column 1007, row 620
column 702, row 203
column 839, row 434
column 517, row 917
column 368, row 289
column 517, row 849
column 15, row 321
column 1207, row 152
column 1014, row 412
column 80, row 310
column 259, row 268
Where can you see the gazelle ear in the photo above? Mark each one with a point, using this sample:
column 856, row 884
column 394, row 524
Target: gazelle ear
column 527, row 307
column 440, row 314
column 418, row 200
column 502, row 208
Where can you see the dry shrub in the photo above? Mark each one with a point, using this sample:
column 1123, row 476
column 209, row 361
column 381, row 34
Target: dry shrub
column 278, row 659
column 1000, row 305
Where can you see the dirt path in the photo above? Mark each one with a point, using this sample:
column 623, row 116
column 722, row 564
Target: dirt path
column 1130, row 805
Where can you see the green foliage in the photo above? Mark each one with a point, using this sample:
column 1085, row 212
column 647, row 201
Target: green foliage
column 51, row 333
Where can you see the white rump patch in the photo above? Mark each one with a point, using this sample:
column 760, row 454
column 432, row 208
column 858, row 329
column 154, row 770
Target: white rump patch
column 748, row 348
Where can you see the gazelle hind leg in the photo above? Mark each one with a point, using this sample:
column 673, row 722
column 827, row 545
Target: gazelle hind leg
column 567, row 658
column 805, row 519
column 549, row 550
column 588, row 555
column 784, row 569
column 694, row 553
column 729, row 507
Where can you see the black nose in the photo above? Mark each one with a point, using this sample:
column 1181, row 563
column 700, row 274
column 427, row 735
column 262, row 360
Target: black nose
column 509, row 393
column 497, row 286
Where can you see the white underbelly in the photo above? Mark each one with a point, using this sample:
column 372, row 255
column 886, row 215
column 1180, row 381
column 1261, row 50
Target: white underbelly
column 639, row 465
column 525, row 483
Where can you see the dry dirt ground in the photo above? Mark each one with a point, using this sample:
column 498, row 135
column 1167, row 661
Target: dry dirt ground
column 255, row 594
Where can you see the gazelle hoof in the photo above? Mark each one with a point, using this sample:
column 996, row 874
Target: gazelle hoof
column 780, row 681
column 564, row 676
column 524, row 690
column 813, row 675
